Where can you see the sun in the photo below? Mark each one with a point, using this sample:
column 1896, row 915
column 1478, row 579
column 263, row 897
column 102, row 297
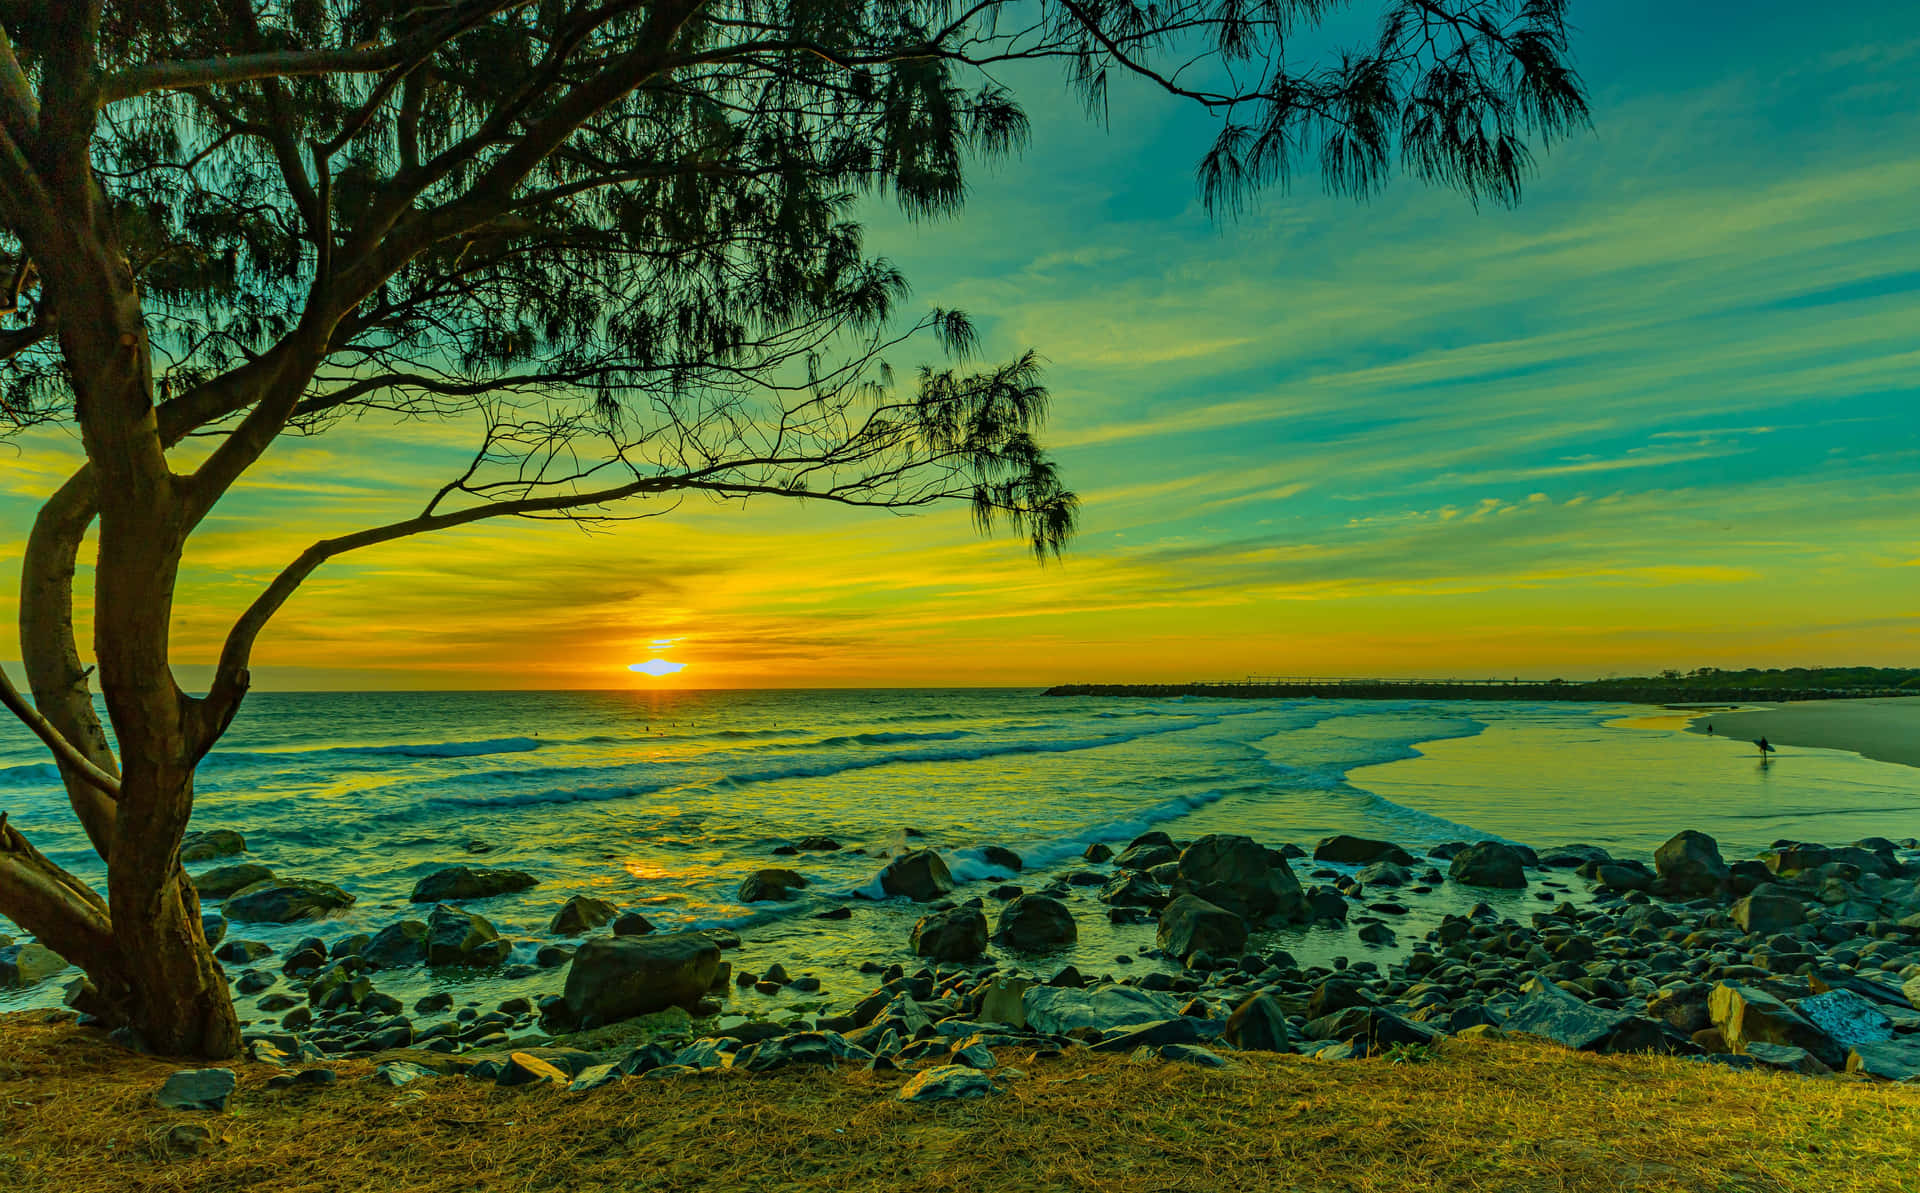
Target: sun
column 656, row 667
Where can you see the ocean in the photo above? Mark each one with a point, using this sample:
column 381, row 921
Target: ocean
column 663, row 801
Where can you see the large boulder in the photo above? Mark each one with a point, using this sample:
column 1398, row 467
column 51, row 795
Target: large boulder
column 920, row 875
column 1035, row 924
column 204, row 847
column 1690, row 864
column 1547, row 1010
column 222, row 881
column 581, row 914
column 1747, row 1014
column 285, row 901
column 1767, row 911
column 28, row 964
column 618, row 977
column 1190, row 925
column 772, row 884
column 1359, row 851
column 1490, row 864
column 459, row 937
column 958, row 934
column 1242, row 876
column 1259, row 1025
column 397, row 946
column 469, row 882
column 1370, row 1030
column 1059, row 1009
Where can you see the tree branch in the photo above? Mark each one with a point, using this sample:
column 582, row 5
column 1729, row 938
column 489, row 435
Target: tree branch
column 62, row 749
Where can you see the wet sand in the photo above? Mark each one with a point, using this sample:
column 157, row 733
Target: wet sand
column 1886, row 729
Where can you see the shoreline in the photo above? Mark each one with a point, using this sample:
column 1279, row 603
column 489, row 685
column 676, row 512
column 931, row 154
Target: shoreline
column 1886, row 729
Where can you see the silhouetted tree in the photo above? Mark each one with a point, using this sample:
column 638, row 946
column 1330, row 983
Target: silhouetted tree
column 614, row 237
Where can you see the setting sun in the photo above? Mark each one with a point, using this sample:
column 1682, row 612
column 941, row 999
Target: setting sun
column 656, row 667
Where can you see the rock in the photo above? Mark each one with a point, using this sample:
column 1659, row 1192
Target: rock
column 469, row 882
column 1239, row 875
column 1764, row 912
column 243, row 952
column 959, row 934
column 205, row 846
column 1384, row 874
column 393, row 1074
column 816, row 844
column 1098, row 853
column 1193, row 1054
column 631, row 923
column 458, row 937
column 1159, row 1033
column 946, row 1081
column 1548, row 1011
column 1370, row 1030
column 1746, row 1014
column 1130, row 888
column 1035, row 924
column 397, row 946
column 214, row 928
column 222, row 881
column 1003, row 1001
column 1259, row 1025
column 1569, row 857
column 1001, row 857
column 197, row 1089
column 1623, row 876
column 824, row 1048
column 1146, row 855
column 1889, row 1060
column 1057, row 1010
column 28, row 964
column 920, row 875
column 524, row 1068
column 1846, row 1017
column 620, row 977
column 581, row 914
column 1190, row 925
column 1786, row 1056
column 770, row 885
column 286, row 901
column 1335, row 995
column 1690, row 864
column 1489, row 864
column 1359, row 851
column 1378, row 935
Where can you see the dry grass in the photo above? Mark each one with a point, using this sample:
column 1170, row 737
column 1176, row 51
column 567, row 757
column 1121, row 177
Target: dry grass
column 77, row 1115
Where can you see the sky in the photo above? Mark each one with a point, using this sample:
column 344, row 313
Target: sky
column 1662, row 415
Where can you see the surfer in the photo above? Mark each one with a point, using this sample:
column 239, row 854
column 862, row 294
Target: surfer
column 1709, row 728
column 1765, row 747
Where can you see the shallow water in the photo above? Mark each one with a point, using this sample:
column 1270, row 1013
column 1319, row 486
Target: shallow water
column 663, row 802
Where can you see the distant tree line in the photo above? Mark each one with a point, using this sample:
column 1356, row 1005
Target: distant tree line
column 1775, row 679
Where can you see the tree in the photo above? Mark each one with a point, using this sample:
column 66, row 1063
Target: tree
column 612, row 236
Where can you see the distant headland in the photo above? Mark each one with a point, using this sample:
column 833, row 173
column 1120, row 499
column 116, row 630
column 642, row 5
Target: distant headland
column 1706, row 685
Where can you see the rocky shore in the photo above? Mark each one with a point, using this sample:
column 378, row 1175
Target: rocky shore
column 1806, row 958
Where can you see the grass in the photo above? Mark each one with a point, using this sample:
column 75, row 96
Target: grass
column 77, row 1115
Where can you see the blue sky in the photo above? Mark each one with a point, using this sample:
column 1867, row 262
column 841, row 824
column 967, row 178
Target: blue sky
column 1663, row 414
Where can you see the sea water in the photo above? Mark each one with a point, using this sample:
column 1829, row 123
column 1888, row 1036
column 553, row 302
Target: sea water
column 662, row 802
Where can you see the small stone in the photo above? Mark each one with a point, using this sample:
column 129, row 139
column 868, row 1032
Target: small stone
column 469, row 882
column 205, row 846
column 581, row 914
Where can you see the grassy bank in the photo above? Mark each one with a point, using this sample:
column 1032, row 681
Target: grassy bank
column 77, row 1115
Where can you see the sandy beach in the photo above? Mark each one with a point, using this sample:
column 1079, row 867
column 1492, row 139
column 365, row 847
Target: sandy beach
column 1886, row 729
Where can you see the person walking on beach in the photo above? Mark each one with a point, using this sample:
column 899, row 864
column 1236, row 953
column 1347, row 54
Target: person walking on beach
column 1765, row 747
